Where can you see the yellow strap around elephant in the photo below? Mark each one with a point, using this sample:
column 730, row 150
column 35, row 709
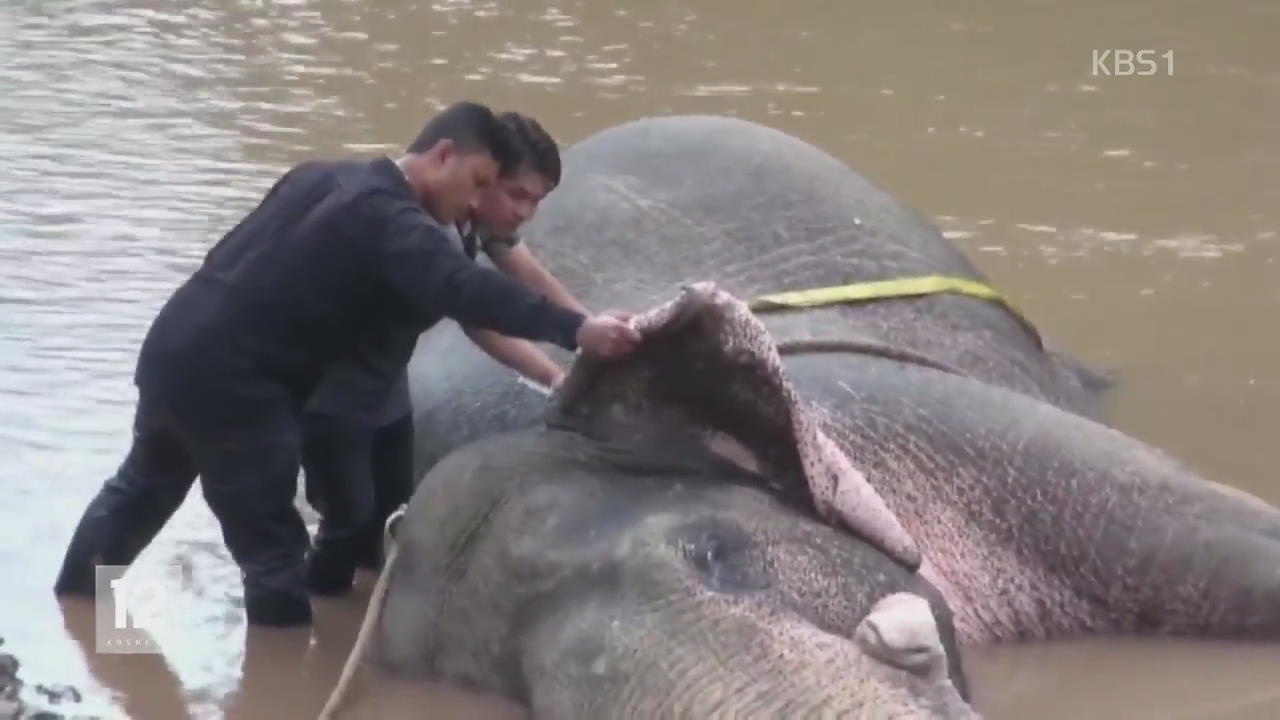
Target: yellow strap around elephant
column 884, row 290
column 875, row 290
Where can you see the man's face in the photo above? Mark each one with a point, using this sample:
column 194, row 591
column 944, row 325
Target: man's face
column 456, row 182
column 510, row 202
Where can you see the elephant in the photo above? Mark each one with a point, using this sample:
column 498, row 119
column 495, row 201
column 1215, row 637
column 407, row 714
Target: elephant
column 972, row 455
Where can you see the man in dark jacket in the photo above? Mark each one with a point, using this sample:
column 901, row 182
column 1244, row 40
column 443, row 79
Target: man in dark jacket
column 357, row 441
column 239, row 348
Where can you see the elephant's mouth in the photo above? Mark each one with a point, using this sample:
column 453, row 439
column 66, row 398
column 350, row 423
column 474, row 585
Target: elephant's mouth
column 708, row 379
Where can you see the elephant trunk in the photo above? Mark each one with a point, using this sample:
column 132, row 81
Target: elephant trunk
column 719, row 656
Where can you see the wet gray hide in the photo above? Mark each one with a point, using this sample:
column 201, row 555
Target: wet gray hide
column 669, row 546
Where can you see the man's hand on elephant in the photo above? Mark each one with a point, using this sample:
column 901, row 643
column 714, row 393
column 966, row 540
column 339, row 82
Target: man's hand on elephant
column 607, row 336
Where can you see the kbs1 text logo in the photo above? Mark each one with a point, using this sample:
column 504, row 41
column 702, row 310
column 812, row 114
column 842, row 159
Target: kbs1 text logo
column 1123, row 63
column 130, row 609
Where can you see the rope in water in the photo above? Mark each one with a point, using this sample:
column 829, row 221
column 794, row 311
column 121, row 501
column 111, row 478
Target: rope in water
column 371, row 615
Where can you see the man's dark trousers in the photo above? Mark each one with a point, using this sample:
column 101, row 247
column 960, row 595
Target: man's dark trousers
column 249, row 479
column 357, row 473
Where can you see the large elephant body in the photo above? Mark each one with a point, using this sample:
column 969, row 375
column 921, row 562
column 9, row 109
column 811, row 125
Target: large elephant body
column 651, row 205
column 1033, row 518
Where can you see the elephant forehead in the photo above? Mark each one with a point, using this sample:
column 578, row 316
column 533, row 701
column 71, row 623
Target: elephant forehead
column 570, row 520
column 685, row 533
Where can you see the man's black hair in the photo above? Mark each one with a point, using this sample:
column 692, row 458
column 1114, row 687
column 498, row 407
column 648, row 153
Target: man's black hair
column 473, row 127
column 534, row 146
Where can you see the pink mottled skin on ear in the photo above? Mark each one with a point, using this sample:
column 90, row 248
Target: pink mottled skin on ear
column 840, row 491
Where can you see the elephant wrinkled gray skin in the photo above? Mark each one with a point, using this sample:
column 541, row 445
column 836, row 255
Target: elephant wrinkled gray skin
column 623, row 562
column 1033, row 519
column 650, row 205
column 664, row 589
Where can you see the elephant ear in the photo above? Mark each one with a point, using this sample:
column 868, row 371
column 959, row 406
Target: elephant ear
column 708, row 377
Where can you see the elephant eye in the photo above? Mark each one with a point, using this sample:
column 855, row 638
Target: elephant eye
column 726, row 558
column 714, row 550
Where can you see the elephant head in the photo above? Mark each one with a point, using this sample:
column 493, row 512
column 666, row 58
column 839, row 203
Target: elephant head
column 660, row 549
column 533, row 566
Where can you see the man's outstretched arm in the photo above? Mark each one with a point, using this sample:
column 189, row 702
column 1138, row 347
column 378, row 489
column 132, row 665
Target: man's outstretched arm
column 433, row 278
column 521, row 356
column 515, row 259
column 518, row 261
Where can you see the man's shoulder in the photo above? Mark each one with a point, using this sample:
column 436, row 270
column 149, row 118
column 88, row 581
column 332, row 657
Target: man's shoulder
column 376, row 190
column 375, row 198
column 357, row 178
column 327, row 171
column 407, row 227
column 313, row 182
column 339, row 166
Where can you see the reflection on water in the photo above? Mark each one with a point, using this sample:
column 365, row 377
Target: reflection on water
column 1135, row 218
column 1131, row 679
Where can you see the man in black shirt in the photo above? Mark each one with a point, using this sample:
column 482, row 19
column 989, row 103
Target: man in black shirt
column 238, row 349
column 357, row 441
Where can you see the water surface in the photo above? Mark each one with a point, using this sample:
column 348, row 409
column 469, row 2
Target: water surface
column 1135, row 218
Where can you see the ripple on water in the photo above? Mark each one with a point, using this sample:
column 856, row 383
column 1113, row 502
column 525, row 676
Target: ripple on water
column 1054, row 242
column 133, row 136
column 134, row 133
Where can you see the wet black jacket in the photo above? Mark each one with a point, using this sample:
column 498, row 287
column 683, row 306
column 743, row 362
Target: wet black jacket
column 334, row 249
column 370, row 385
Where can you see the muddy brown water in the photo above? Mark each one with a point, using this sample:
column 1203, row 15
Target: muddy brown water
column 1135, row 218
